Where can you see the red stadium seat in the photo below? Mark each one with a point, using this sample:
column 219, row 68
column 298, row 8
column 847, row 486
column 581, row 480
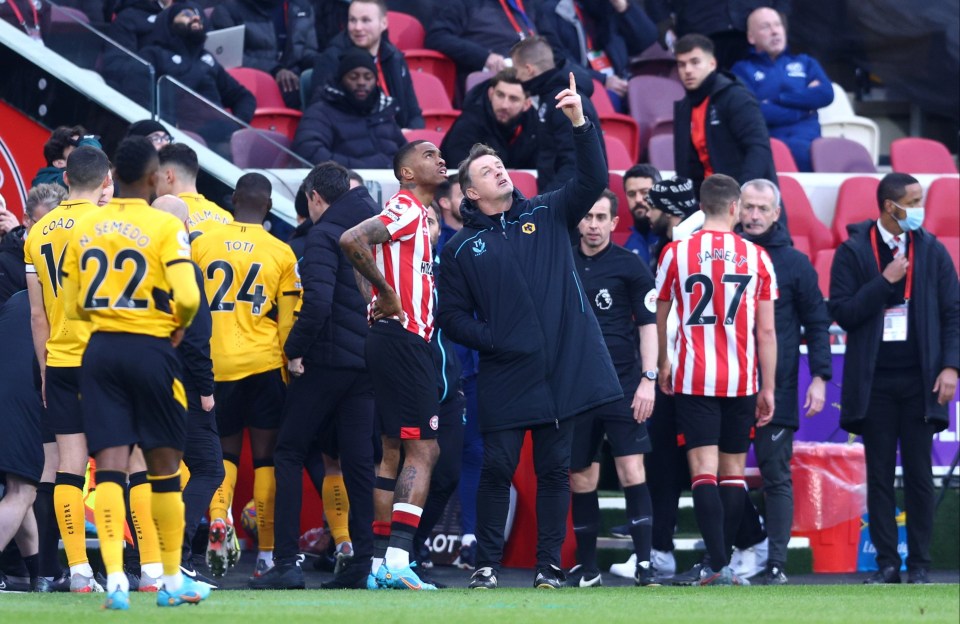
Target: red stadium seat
column 822, row 264
column 424, row 135
column 524, row 182
column 856, row 201
column 838, row 155
column 405, row 31
column 660, row 152
column 282, row 120
column 618, row 157
column 952, row 243
column 802, row 244
column 475, row 78
column 601, row 99
column 431, row 94
column 801, row 218
column 651, row 104
column 431, row 62
column 261, row 84
column 626, row 129
column 439, row 120
column 913, row 155
column 654, row 61
column 942, row 204
column 783, row 160
column 615, row 184
column 619, row 237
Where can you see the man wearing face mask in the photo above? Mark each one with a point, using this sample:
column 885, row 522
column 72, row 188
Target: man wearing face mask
column 352, row 122
column 894, row 289
column 637, row 182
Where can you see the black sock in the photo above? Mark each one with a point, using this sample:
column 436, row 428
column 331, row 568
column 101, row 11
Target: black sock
column 47, row 530
column 751, row 532
column 586, row 527
column 33, row 565
column 709, row 513
column 732, row 492
column 640, row 516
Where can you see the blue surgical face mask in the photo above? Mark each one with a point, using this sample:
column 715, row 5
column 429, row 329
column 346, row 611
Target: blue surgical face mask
column 913, row 220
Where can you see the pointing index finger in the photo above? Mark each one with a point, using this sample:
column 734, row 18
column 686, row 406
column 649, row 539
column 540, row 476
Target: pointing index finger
column 573, row 83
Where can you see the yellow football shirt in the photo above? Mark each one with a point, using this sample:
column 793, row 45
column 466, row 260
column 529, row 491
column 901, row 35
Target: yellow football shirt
column 43, row 253
column 127, row 269
column 203, row 213
column 252, row 284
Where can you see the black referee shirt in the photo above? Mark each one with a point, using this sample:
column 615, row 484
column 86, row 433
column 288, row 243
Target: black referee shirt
column 621, row 290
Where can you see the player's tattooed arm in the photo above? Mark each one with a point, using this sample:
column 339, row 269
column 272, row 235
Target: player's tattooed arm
column 363, row 284
column 356, row 243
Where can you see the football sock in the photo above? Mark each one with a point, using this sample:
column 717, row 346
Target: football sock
column 381, row 540
column 167, row 507
column 733, row 491
column 68, row 504
column 709, row 513
column 336, row 506
column 264, row 494
column 110, row 516
column 148, row 543
column 585, row 510
column 32, row 564
column 47, row 530
column 403, row 526
column 640, row 516
column 223, row 497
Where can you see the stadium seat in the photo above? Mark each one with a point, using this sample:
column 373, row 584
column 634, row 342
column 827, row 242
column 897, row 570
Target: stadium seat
column 601, row 99
column 836, row 155
column 952, row 243
column 524, row 182
column 802, row 244
column 839, row 120
column 822, row 265
column 618, row 156
column 856, row 201
column 439, row 120
column 914, row 155
column 405, row 31
column 654, row 61
column 942, row 203
column 783, row 160
column 651, row 101
column 660, row 152
column 431, row 94
column 475, row 78
column 626, row 129
column 196, row 137
column 259, row 149
column 261, row 84
column 424, row 135
column 619, row 237
column 282, row 120
column 431, row 62
column 615, row 184
column 801, row 218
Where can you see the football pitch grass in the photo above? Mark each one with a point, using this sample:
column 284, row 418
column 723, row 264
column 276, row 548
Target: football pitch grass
column 846, row 604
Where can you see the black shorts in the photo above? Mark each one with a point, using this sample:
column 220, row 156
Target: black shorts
column 63, row 414
column 404, row 382
column 716, row 421
column 626, row 436
column 132, row 393
column 255, row 401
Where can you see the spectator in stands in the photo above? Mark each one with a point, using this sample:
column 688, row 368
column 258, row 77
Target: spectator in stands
column 671, row 203
column 499, row 113
column 62, row 141
column 366, row 23
column 40, row 200
column 724, row 21
column 790, row 87
column 353, row 123
column 601, row 36
column 30, row 16
column 448, row 198
column 894, row 290
column 177, row 51
column 637, row 182
column 134, row 22
column 800, row 304
column 280, row 38
column 533, row 59
column 718, row 127
column 153, row 130
column 478, row 34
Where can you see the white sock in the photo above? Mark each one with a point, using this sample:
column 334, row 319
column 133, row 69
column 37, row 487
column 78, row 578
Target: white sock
column 468, row 540
column 377, row 562
column 173, row 582
column 154, row 570
column 117, row 580
column 266, row 555
column 397, row 558
column 81, row 568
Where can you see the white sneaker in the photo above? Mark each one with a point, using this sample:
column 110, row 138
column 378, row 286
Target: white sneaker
column 663, row 562
column 626, row 569
column 750, row 562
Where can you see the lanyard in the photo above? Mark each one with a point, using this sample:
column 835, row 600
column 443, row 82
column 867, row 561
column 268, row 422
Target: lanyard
column 518, row 5
column 381, row 78
column 23, row 22
column 586, row 35
column 909, row 287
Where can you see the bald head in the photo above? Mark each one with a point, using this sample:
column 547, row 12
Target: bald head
column 174, row 205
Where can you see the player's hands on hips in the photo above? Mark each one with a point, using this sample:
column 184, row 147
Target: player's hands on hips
column 207, row 403
column 176, row 337
column 764, row 407
column 569, row 102
column 643, row 400
column 946, row 385
column 666, row 378
column 387, row 305
column 295, row 366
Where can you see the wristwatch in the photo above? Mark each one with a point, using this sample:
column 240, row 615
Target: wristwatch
column 651, row 375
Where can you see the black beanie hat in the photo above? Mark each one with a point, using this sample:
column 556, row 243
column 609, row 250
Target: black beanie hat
column 353, row 58
column 145, row 127
column 674, row 196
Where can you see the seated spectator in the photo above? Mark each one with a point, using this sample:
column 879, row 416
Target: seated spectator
column 790, row 87
column 62, row 141
column 353, row 123
column 280, row 38
column 478, row 34
column 637, row 182
column 600, row 35
column 41, row 199
column 499, row 113
column 98, row 12
column 30, row 16
column 533, row 59
column 153, row 130
column 366, row 23
column 134, row 22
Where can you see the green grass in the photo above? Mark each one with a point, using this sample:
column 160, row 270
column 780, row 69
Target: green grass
column 820, row 604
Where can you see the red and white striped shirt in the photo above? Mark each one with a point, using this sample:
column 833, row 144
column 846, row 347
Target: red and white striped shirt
column 406, row 261
column 716, row 278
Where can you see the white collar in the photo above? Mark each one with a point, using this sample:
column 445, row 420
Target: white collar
column 888, row 236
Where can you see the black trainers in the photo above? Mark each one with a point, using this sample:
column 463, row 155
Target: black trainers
column 8, row 584
column 62, row 582
column 550, row 577
column 645, row 576
column 774, row 575
column 189, row 570
column 690, row 577
column 483, row 578
column 578, row 577
column 280, row 576
column 353, row 575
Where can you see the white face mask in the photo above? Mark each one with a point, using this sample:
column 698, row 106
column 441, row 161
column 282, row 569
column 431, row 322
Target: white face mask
column 913, row 220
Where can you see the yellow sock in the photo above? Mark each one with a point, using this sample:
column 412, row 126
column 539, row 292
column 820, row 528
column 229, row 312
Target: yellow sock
column 68, row 503
column 336, row 506
column 264, row 492
column 184, row 475
column 110, row 517
column 146, row 533
column 223, row 497
column 167, row 504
